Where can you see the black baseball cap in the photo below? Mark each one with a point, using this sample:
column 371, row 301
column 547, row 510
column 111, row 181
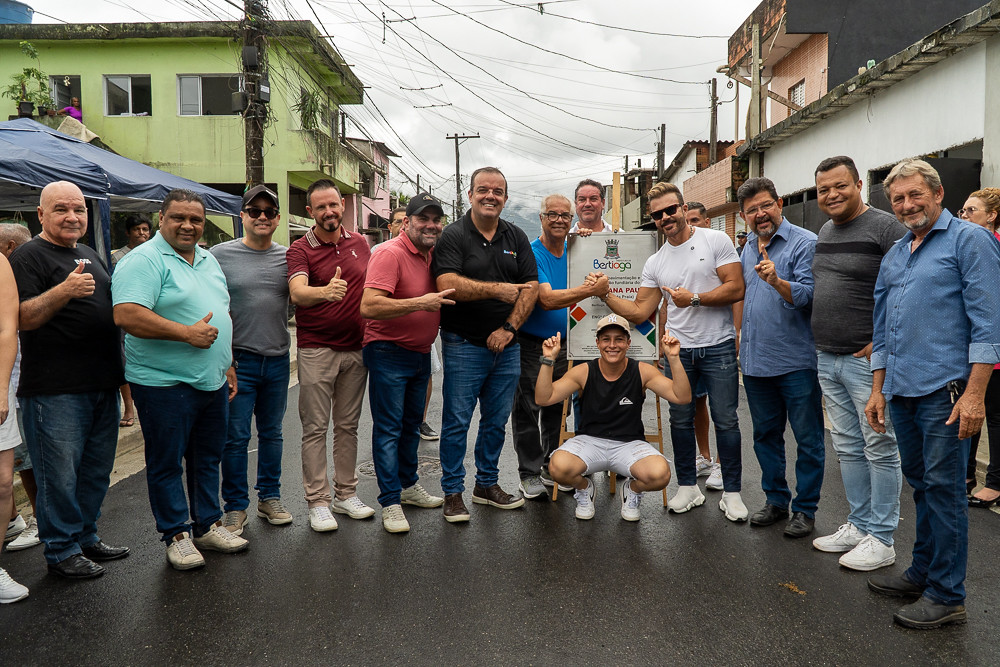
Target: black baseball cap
column 260, row 191
column 741, row 235
column 422, row 201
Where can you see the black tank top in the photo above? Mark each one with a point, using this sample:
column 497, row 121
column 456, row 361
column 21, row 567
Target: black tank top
column 612, row 410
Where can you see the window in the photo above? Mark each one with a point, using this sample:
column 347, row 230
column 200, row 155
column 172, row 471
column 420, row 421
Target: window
column 719, row 223
column 797, row 93
column 207, row 94
column 64, row 87
column 128, row 95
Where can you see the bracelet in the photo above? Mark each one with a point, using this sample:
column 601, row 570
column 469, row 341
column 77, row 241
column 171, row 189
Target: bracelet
column 545, row 361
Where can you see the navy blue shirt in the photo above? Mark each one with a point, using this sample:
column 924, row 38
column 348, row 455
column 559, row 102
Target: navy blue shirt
column 937, row 309
column 776, row 336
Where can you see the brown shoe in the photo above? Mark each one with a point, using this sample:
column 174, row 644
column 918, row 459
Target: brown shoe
column 455, row 509
column 497, row 497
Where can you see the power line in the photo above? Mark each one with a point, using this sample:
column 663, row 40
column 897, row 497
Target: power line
column 610, row 27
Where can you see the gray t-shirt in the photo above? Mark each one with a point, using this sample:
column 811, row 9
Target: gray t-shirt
column 258, row 294
column 845, row 267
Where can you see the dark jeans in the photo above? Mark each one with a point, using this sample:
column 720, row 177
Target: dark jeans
column 934, row 462
column 185, row 432
column 536, row 429
column 993, row 429
column 474, row 374
column 715, row 368
column 793, row 398
column 397, row 387
column 262, row 392
column 72, row 439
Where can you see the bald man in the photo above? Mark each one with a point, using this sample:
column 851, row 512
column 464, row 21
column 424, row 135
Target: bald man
column 71, row 369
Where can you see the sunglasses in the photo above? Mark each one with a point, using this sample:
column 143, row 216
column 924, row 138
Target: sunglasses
column 668, row 211
column 255, row 212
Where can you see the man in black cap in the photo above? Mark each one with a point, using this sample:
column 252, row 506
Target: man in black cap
column 741, row 240
column 403, row 306
column 258, row 290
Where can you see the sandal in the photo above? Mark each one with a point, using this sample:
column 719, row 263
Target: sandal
column 126, row 422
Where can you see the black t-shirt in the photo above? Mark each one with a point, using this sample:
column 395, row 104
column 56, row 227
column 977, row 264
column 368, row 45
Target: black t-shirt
column 508, row 258
column 77, row 350
column 612, row 410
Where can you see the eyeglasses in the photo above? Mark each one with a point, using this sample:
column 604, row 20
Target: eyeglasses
column 668, row 211
column 254, row 212
column 968, row 210
column 552, row 216
column 763, row 208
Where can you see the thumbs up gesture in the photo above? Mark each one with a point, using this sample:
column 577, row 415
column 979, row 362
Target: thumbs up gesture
column 201, row 334
column 336, row 288
column 79, row 284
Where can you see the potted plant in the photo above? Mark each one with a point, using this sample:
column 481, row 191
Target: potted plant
column 30, row 86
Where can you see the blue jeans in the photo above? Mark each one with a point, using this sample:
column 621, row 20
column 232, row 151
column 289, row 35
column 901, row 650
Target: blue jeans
column 262, row 391
column 794, row 398
column 474, row 374
column 934, row 465
column 714, row 368
column 869, row 461
column 185, row 432
column 72, row 440
column 397, row 387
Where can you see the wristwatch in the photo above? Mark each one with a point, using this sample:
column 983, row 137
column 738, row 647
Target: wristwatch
column 695, row 301
column 507, row 326
column 546, row 361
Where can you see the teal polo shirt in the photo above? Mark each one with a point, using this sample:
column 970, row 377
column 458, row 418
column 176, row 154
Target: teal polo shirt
column 153, row 275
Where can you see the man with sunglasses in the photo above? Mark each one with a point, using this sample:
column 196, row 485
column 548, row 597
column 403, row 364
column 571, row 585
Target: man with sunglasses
column 699, row 272
column 536, row 428
column 258, row 290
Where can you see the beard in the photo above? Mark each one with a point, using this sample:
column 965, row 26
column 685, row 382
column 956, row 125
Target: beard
column 917, row 225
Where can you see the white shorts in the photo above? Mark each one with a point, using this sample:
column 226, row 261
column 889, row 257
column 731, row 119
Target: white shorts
column 600, row 454
column 435, row 358
column 10, row 437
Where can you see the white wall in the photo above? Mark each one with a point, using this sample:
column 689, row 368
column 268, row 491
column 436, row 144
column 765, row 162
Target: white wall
column 940, row 107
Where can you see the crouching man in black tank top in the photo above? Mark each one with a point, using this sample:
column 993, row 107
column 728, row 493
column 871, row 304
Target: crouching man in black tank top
column 610, row 434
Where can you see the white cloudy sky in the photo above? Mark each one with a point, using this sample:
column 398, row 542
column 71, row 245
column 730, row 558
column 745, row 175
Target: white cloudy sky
column 569, row 99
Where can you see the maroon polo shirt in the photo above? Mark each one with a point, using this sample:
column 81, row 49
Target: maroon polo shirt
column 400, row 269
column 333, row 324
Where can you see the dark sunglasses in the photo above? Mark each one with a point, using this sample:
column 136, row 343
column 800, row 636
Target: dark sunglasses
column 255, row 212
column 670, row 210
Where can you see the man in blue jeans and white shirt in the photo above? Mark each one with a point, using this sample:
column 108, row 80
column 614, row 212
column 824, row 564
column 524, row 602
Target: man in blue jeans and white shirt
column 256, row 275
column 403, row 308
column 698, row 271
column 778, row 357
column 490, row 265
column 848, row 254
column 936, row 339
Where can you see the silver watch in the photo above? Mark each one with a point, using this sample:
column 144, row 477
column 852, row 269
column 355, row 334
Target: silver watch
column 695, row 301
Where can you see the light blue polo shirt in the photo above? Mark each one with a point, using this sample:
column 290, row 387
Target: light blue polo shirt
column 153, row 275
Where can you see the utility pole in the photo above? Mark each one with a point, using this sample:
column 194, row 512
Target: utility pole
column 713, row 136
column 458, row 172
column 754, row 116
column 258, row 92
column 418, row 184
column 661, row 152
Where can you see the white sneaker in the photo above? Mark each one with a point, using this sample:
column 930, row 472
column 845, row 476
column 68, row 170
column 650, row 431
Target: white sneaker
column 15, row 528
column 732, row 505
column 703, row 466
column 321, row 519
column 846, row 538
column 585, row 502
column 630, row 501
column 352, row 507
column 10, row 590
column 714, row 481
column 182, row 554
column 28, row 537
column 870, row 554
column 220, row 539
column 418, row 496
column 686, row 498
column 393, row 519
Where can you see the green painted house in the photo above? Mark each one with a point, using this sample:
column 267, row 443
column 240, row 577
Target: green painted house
column 163, row 94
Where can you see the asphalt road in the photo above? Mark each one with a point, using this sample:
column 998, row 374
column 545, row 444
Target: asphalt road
column 532, row 586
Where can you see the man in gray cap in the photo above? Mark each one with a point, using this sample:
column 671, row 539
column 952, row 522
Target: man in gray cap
column 258, row 290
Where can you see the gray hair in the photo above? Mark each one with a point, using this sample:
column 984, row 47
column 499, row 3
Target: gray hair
column 908, row 168
column 545, row 202
column 12, row 231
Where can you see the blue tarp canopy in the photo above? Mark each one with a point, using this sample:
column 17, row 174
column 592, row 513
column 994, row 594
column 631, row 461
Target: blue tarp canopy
column 33, row 155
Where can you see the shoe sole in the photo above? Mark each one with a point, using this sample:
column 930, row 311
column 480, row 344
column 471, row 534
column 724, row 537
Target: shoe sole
column 712, row 487
column 893, row 592
column 322, row 529
column 358, row 516
column 72, row 576
column 530, row 496
column 222, row 550
column 185, row 567
column 457, row 518
column 429, row 437
column 697, row 502
column 762, row 524
column 486, row 501
column 428, row 506
column 19, row 547
column 734, row 519
column 237, row 532
column 404, row 529
column 585, row 517
column 274, row 522
column 833, row 550
column 11, row 600
column 796, row 535
column 867, row 567
column 955, row 618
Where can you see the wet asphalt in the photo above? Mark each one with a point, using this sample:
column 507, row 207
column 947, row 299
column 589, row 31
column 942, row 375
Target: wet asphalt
column 532, row 586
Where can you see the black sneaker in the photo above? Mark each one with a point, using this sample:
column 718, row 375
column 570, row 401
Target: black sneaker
column 925, row 614
column 427, row 433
